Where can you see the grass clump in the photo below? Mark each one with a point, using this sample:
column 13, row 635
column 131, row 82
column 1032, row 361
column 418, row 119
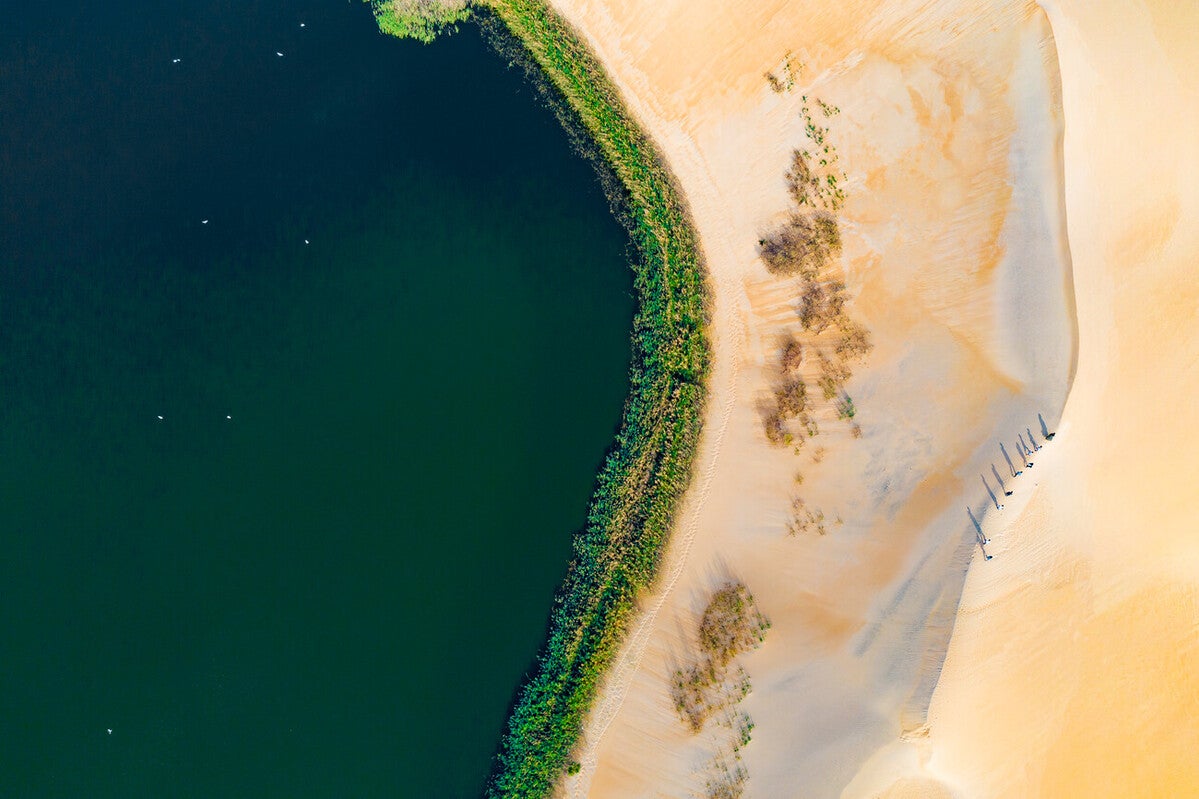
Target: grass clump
column 691, row 691
column 729, row 783
column 785, row 80
column 643, row 478
column 731, row 624
column 805, row 519
column 418, row 19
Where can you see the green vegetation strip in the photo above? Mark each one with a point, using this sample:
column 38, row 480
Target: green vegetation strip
column 646, row 472
column 644, row 477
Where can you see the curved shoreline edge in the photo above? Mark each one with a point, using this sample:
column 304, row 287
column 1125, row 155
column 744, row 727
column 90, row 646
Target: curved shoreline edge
column 649, row 466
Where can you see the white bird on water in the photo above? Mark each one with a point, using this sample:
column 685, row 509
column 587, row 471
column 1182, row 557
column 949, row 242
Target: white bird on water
column 301, row 24
column 305, row 241
column 228, row 417
column 160, row 418
column 203, row 221
column 110, row 731
column 278, row 54
column 176, row 60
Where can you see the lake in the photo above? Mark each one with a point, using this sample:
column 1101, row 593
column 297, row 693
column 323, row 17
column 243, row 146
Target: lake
column 382, row 310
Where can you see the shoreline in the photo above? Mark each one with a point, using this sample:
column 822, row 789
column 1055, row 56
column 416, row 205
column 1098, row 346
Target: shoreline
column 650, row 466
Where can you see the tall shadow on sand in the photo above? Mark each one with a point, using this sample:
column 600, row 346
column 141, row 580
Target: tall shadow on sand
column 978, row 531
column 1024, row 451
column 1008, row 458
column 999, row 480
column 1045, row 434
column 994, row 499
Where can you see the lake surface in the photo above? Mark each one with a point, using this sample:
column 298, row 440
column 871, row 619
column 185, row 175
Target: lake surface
column 326, row 569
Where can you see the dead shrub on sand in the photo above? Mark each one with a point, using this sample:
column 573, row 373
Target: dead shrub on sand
column 791, row 398
column 801, row 183
column 776, row 429
column 806, row 246
column 805, row 519
column 854, row 342
column 803, row 245
column 729, row 783
column 792, row 356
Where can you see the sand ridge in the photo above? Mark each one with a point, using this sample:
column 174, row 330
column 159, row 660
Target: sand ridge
column 1074, row 665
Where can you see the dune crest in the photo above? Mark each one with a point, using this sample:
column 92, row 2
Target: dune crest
column 1074, row 666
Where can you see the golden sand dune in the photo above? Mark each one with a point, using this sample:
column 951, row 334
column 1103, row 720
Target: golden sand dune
column 1074, row 665
column 970, row 234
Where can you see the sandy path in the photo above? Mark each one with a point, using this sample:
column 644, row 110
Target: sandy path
column 956, row 256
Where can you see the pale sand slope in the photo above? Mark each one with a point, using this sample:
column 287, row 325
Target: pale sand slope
column 956, row 254
column 1074, row 665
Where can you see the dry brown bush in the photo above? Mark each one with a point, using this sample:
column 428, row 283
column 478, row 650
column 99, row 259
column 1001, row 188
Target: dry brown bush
column 854, row 342
column 802, row 245
column 792, row 356
column 791, row 398
column 836, row 302
column 775, row 428
column 811, row 307
column 729, row 785
column 800, row 181
column 828, row 232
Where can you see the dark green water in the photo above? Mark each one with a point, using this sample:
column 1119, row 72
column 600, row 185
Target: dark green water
column 335, row 592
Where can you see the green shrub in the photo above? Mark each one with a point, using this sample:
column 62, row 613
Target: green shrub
column 845, row 408
column 418, row 19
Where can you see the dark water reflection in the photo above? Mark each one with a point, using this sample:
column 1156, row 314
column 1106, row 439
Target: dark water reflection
column 335, row 591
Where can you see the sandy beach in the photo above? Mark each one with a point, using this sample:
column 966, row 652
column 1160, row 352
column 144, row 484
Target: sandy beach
column 1021, row 244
